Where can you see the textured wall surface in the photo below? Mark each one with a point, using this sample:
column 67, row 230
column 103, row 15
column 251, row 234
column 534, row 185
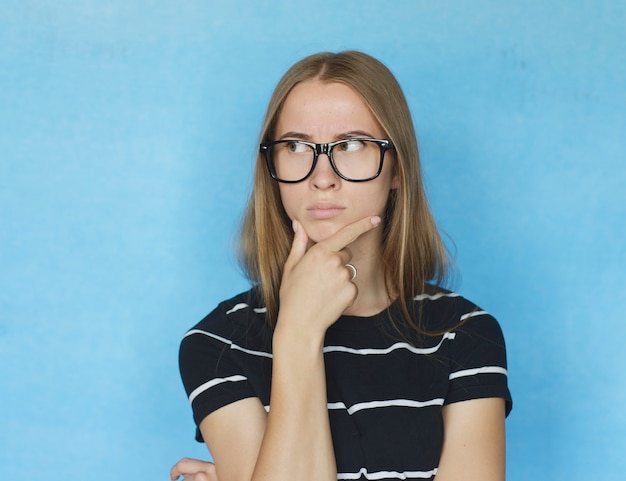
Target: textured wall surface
column 127, row 136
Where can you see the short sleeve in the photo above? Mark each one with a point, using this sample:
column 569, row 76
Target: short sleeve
column 215, row 360
column 211, row 377
column 478, row 365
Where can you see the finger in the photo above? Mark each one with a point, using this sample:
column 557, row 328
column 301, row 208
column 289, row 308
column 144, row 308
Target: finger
column 345, row 254
column 299, row 245
column 348, row 234
column 187, row 466
column 177, row 470
column 199, row 477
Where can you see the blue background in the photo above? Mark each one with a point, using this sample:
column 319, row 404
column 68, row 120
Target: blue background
column 127, row 135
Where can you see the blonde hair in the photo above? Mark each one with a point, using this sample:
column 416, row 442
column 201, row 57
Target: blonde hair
column 413, row 252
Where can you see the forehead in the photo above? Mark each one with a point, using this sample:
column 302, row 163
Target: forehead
column 318, row 108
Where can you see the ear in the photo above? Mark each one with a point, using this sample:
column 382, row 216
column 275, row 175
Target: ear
column 395, row 181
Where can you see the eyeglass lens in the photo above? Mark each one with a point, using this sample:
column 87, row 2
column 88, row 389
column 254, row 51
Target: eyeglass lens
column 353, row 159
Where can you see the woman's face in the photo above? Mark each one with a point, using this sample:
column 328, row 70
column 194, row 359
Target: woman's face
column 323, row 203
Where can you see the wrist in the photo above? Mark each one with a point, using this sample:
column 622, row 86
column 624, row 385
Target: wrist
column 293, row 339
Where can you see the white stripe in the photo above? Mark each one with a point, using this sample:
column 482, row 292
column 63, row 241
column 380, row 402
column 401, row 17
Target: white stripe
column 387, row 350
column 237, row 307
column 243, row 305
column 213, row 382
column 434, row 297
column 473, row 314
column 478, row 370
column 229, row 342
column 388, row 474
column 250, row 351
column 210, row 334
column 383, row 404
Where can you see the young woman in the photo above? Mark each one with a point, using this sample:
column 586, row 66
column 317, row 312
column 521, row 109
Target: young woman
column 346, row 360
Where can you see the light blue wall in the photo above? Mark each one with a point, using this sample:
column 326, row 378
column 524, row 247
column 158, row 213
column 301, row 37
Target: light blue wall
column 127, row 134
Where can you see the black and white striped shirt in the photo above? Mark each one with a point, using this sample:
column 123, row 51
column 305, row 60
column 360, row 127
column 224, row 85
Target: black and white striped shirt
column 385, row 386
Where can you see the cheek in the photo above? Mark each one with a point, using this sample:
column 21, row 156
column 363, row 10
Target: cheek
column 288, row 199
column 371, row 202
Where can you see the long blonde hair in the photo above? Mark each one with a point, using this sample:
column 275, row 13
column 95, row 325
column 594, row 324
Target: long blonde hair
column 413, row 252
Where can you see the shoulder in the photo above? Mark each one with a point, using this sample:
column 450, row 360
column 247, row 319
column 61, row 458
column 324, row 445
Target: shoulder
column 238, row 321
column 230, row 316
column 441, row 310
column 225, row 357
column 476, row 351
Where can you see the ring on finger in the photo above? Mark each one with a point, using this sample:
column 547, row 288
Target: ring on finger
column 353, row 269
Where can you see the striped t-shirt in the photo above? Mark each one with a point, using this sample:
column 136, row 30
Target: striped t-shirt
column 385, row 386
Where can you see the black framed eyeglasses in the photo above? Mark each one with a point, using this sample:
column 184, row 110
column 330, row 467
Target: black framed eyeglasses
column 354, row 160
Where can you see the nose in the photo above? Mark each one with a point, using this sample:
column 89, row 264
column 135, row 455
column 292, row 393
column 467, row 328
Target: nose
column 324, row 176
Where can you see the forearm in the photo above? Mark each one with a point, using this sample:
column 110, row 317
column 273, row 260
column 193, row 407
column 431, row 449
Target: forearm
column 297, row 443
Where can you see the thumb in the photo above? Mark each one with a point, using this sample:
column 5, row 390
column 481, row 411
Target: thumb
column 299, row 245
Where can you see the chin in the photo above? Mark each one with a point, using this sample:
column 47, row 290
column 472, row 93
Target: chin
column 321, row 232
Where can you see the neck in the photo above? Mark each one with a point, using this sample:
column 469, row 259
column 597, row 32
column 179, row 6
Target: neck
column 372, row 297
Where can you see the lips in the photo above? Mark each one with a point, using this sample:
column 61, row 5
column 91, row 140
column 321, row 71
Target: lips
column 324, row 210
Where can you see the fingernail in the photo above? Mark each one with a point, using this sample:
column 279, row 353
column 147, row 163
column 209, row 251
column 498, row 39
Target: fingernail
column 375, row 220
column 294, row 225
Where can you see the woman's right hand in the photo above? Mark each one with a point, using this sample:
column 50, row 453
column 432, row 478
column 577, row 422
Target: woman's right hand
column 317, row 286
column 193, row 470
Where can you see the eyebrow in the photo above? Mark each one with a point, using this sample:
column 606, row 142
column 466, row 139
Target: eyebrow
column 352, row 134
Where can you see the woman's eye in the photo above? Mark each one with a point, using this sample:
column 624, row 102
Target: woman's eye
column 352, row 146
column 296, row 147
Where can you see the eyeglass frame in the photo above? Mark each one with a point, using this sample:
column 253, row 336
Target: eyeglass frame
column 325, row 148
